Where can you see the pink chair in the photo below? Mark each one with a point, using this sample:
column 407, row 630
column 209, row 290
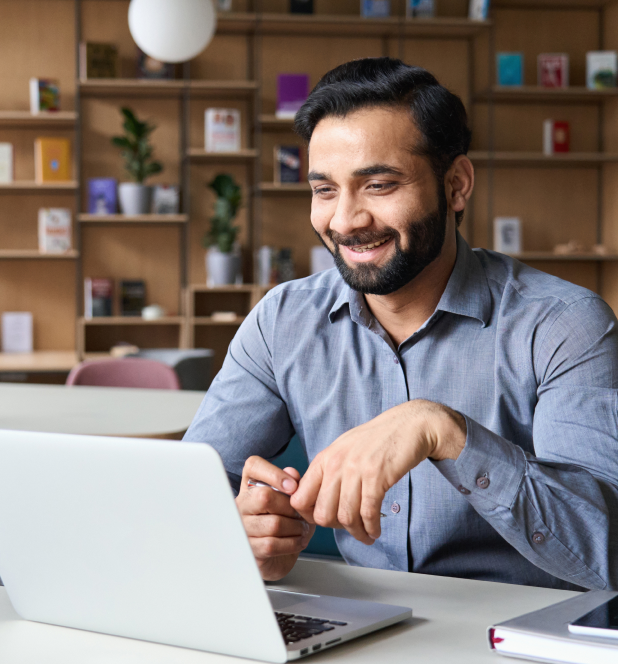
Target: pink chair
column 124, row 372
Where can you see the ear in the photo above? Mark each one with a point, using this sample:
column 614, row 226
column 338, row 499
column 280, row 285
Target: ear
column 459, row 183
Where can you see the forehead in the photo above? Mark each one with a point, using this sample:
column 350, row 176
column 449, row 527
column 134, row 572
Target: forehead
column 370, row 134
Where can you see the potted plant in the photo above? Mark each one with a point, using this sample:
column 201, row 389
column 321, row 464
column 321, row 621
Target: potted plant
column 135, row 197
column 223, row 255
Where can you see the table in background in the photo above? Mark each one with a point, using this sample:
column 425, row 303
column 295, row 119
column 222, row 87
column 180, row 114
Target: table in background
column 103, row 411
column 449, row 623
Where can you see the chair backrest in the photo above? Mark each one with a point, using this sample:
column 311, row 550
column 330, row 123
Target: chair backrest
column 124, row 372
column 192, row 365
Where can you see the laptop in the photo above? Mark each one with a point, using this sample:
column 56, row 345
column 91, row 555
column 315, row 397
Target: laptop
column 142, row 539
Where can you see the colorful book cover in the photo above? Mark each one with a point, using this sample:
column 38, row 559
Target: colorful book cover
column 102, row 196
column 375, row 8
column 478, row 10
column 6, row 163
column 148, row 67
column 97, row 60
column 292, row 92
column 556, row 137
column 288, row 163
column 54, row 230
column 222, row 129
column 553, row 70
column 165, row 199
column 98, row 297
column 510, row 68
column 52, row 160
column 420, row 8
column 132, row 297
column 601, row 69
column 301, row 6
column 44, row 95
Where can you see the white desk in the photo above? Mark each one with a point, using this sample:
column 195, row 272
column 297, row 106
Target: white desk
column 104, row 411
column 450, row 619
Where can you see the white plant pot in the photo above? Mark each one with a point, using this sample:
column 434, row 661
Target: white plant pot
column 134, row 198
column 222, row 269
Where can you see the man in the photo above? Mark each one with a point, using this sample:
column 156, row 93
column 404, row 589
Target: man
column 469, row 398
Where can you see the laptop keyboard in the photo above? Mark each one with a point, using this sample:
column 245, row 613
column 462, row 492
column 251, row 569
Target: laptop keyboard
column 296, row 628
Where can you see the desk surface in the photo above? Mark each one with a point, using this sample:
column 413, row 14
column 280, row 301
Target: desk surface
column 104, row 411
column 449, row 623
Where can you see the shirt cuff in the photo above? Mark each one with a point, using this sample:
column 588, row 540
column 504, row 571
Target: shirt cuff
column 488, row 468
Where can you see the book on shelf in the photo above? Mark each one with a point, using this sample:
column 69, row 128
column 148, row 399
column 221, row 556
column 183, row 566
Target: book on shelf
column 478, row 10
column 224, row 5
column 601, row 67
column 553, row 70
column 375, row 8
column 6, row 163
column 44, row 95
column 222, row 129
column 98, row 297
column 102, row 195
column 17, row 332
column 301, row 6
column 98, row 60
column 507, row 235
column 510, row 69
column 420, row 8
column 147, row 67
column 165, row 199
column 55, row 236
column 288, row 164
column 292, row 92
column 556, row 137
column 52, row 160
column 132, row 297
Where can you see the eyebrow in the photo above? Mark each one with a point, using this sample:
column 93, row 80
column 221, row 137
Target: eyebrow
column 376, row 169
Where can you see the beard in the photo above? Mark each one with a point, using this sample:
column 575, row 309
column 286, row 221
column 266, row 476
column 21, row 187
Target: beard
column 425, row 239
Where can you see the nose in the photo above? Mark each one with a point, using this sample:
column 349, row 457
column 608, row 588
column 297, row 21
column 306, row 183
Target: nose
column 350, row 216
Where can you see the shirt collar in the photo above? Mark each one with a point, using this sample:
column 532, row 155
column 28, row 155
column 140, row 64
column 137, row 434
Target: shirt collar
column 466, row 293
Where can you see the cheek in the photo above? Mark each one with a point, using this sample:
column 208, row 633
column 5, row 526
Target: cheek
column 320, row 216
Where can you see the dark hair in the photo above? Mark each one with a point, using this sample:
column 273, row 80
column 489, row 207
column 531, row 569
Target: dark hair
column 439, row 114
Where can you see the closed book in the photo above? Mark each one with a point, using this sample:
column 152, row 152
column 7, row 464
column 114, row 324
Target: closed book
column 287, row 160
column 375, row 8
column 17, row 332
column 601, row 67
column 6, row 163
column 510, row 68
column 52, row 160
column 507, row 235
column 98, row 297
column 292, row 92
column 132, row 297
column 222, row 129
column 165, row 199
column 556, row 136
column 421, row 8
column 553, row 70
column 44, row 95
column 301, row 6
column 98, row 60
column 55, row 233
column 148, row 67
column 478, row 10
column 102, row 196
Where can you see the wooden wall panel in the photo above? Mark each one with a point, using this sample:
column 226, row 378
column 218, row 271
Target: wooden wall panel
column 225, row 58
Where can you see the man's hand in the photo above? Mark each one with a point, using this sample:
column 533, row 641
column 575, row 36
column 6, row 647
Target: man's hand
column 277, row 533
column 346, row 483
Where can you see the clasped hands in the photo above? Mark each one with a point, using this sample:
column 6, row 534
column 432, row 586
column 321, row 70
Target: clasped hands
column 345, row 484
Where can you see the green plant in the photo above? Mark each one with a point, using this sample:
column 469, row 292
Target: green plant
column 223, row 232
column 136, row 148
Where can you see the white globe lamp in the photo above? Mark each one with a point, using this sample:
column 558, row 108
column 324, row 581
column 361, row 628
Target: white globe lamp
column 172, row 30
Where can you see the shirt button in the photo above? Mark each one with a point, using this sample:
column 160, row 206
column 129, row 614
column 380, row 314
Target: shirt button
column 538, row 538
column 395, row 508
column 395, row 360
column 462, row 489
column 482, row 482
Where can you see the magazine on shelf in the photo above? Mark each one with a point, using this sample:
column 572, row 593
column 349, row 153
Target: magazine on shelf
column 98, row 60
column 98, row 297
column 556, row 137
column 507, row 235
column 301, row 6
column 102, row 196
column 288, row 164
column 165, row 199
column 52, row 160
column 17, row 332
column 44, row 95
column 510, row 69
column 55, row 235
column 375, row 8
column 292, row 92
column 421, row 8
column 601, row 67
column 222, row 129
column 478, row 10
column 6, row 163
column 553, row 70
column 132, row 297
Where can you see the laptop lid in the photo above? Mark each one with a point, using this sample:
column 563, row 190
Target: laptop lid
column 132, row 537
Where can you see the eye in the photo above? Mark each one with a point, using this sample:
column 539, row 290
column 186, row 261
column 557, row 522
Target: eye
column 323, row 190
column 381, row 186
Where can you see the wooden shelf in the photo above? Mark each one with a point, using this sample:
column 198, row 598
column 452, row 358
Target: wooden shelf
column 550, row 4
column 291, row 188
column 528, row 256
column 130, row 87
column 207, row 320
column 131, row 320
column 48, row 119
column 28, row 186
column 34, row 254
column 39, row 362
column 273, row 122
column 222, row 88
column 198, row 154
column 133, row 219
column 538, row 95
column 538, row 159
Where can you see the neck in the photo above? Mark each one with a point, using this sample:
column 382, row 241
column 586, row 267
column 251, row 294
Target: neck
column 403, row 312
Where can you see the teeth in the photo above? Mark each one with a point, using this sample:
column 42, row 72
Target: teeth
column 367, row 247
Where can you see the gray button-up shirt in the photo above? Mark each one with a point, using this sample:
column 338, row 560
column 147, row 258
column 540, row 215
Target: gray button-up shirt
column 530, row 361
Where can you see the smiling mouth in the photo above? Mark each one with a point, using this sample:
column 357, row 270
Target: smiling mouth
column 361, row 249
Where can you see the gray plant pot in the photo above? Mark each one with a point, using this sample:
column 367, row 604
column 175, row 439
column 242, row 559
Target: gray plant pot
column 134, row 198
column 222, row 269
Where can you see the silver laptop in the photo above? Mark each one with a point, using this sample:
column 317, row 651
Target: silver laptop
column 142, row 538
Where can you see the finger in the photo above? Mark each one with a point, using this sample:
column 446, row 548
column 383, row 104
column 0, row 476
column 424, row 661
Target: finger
column 292, row 472
column 273, row 525
column 271, row 547
column 349, row 509
column 327, row 504
column 303, row 501
column 262, row 500
column 371, row 503
column 259, row 469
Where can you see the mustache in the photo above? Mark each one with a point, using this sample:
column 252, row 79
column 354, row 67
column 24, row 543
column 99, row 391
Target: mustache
column 361, row 238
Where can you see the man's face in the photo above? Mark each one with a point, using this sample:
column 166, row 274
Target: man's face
column 376, row 206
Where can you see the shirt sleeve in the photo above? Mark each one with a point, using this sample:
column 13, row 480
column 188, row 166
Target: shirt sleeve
column 243, row 413
column 559, row 506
